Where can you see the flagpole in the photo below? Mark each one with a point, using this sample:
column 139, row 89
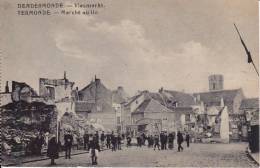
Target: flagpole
column 255, row 68
column 250, row 60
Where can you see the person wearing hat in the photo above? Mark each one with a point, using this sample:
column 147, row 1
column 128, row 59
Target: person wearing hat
column 156, row 142
column 170, row 141
column 102, row 139
column 108, row 139
column 179, row 141
column 53, row 149
column 94, row 149
column 68, row 139
column 113, row 141
column 86, row 140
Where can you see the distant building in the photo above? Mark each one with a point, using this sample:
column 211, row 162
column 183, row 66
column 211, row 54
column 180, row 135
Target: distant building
column 183, row 106
column 119, row 95
column 99, row 95
column 95, row 102
column 216, row 82
column 217, row 98
column 159, row 111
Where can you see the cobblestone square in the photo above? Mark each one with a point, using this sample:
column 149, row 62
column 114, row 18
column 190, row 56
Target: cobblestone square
column 198, row 155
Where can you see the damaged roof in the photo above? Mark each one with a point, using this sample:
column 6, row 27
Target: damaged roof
column 151, row 106
column 213, row 98
column 251, row 103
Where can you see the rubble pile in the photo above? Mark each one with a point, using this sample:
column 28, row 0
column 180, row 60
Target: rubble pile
column 21, row 121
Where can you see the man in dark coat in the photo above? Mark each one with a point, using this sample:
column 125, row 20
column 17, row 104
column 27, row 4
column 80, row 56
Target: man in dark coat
column 94, row 149
column 102, row 139
column 108, row 138
column 162, row 140
column 179, row 141
column 119, row 139
column 156, row 142
column 165, row 140
column 53, row 149
column 128, row 141
column 39, row 141
column 187, row 139
column 97, row 136
column 170, row 141
column 68, row 139
column 113, row 141
column 143, row 138
column 86, row 140
column 139, row 141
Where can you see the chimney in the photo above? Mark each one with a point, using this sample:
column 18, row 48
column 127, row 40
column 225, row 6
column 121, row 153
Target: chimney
column 97, row 81
column 6, row 87
column 65, row 77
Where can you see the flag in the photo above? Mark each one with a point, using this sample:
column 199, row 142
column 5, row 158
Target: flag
column 249, row 58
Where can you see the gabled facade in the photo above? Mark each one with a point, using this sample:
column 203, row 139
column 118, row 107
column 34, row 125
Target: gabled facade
column 98, row 94
column 95, row 103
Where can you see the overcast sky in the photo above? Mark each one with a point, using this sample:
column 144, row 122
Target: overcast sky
column 137, row 44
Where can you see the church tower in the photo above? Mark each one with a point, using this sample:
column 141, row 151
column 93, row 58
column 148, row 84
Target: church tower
column 216, row 82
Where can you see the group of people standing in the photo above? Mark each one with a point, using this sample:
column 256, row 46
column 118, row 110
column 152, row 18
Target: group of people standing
column 163, row 140
column 110, row 140
column 95, row 142
column 92, row 145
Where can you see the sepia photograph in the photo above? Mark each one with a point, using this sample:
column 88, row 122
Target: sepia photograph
column 129, row 83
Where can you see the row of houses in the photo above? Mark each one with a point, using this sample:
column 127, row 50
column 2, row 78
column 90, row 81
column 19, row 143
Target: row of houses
column 223, row 113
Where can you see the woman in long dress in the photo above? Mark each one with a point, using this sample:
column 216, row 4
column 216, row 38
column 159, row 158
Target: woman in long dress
column 53, row 149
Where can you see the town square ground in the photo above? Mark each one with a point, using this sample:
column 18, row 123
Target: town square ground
column 197, row 155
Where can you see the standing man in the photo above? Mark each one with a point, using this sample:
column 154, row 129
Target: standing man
column 174, row 135
column 86, row 140
column 113, row 141
column 179, row 141
column 162, row 140
column 97, row 136
column 139, row 140
column 108, row 138
column 68, row 139
column 102, row 139
column 156, row 142
column 170, row 141
column 165, row 140
column 94, row 149
column 39, row 142
column 119, row 139
column 128, row 139
column 187, row 139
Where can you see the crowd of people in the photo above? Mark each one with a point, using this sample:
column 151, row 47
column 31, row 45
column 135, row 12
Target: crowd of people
column 95, row 142
column 163, row 141
column 111, row 141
